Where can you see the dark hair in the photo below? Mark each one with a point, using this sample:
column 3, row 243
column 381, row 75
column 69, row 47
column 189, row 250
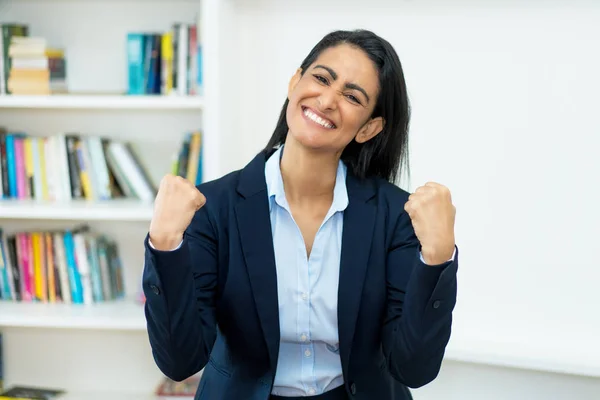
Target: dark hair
column 384, row 155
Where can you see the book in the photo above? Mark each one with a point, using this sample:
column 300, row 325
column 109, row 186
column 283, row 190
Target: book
column 166, row 62
column 30, row 393
column 171, row 390
column 71, row 266
column 1, row 367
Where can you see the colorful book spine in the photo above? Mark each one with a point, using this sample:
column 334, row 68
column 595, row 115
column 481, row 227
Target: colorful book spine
column 135, row 63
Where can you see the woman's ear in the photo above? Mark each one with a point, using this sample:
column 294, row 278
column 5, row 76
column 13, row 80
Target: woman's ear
column 294, row 81
column 369, row 130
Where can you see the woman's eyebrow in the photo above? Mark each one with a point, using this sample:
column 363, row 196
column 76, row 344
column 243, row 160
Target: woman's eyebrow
column 334, row 75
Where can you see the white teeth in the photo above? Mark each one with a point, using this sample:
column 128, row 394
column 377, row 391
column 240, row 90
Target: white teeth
column 324, row 123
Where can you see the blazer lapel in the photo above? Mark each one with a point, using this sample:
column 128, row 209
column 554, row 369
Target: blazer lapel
column 254, row 225
column 359, row 220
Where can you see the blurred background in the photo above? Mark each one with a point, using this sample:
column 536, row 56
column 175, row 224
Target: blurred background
column 100, row 98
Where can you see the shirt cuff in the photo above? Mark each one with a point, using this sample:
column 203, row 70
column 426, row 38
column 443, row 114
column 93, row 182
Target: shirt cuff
column 451, row 258
column 176, row 248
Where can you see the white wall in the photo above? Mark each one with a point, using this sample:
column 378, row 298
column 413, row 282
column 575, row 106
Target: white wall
column 504, row 98
column 465, row 381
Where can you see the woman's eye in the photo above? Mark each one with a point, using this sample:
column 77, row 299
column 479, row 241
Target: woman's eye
column 352, row 98
column 321, row 79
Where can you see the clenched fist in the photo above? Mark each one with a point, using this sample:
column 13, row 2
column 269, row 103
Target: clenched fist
column 432, row 213
column 176, row 203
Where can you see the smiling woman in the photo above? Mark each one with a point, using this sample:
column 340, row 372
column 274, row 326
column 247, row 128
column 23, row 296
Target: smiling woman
column 308, row 273
column 355, row 79
column 329, row 96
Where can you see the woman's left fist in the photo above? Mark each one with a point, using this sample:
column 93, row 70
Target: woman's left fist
column 432, row 213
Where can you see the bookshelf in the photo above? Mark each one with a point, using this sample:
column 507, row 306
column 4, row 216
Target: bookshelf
column 108, row 395
column 118, row 315
column 101, row 350
column 77, row 210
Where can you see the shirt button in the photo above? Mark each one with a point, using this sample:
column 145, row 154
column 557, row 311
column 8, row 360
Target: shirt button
column 304, row 296
column 307, row 353
column 303, row 337
column 312, row 391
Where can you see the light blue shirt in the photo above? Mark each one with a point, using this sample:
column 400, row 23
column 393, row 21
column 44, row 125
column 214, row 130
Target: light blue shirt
column 309, row 361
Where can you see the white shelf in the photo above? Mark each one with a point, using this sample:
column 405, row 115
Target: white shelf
column 112, row 315
column 109, row 210
column 151, row 102
column 106, row 395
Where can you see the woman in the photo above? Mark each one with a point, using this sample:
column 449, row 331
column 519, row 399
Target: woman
column 308, row 274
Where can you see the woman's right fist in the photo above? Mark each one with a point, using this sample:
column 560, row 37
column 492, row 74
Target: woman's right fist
column 176, row 203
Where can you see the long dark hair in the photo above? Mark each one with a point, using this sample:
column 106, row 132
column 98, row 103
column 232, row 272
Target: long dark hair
column 386, row 154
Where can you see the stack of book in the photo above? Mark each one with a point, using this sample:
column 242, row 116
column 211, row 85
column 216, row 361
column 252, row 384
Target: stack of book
column 188, row 161
column 167, row 63
column 7, row 32
column 71, row 166
column 28, row 66
column 171, row 390
column 57, row 64
column 75, row 266
column 1, row 366
column 29, row 73
column 31, row 393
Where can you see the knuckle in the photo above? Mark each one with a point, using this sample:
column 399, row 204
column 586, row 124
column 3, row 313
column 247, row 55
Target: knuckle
column 411, row 205
column 165, row 180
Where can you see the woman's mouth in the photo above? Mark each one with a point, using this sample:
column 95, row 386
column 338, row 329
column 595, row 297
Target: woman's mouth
column 313, row 117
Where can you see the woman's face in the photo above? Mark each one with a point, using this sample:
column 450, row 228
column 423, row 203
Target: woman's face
column 331, row 103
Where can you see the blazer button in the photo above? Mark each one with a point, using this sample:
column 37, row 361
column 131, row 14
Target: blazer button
column 436, row 304
column 155, row 289
column 353, row 388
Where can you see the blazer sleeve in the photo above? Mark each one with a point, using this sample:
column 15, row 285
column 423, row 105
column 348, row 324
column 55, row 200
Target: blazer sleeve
column 180, row 289
column 420, row 301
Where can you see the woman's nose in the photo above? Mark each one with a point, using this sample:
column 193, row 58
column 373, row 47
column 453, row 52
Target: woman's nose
column 328, row 99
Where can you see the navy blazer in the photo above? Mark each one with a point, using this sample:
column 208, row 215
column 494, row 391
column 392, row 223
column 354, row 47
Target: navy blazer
column 213, row 303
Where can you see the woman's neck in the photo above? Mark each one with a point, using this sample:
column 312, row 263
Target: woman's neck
column 307, row 175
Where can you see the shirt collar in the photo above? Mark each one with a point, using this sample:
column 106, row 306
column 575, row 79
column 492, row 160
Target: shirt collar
column 275, row 184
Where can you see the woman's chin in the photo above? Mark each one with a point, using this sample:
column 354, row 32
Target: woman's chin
column 312, row 140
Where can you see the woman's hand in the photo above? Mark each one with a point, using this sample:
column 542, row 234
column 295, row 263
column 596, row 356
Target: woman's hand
column 176, row 203
column 432, row 213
